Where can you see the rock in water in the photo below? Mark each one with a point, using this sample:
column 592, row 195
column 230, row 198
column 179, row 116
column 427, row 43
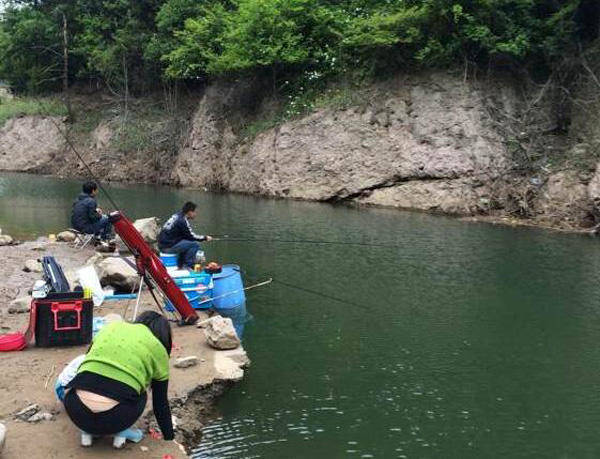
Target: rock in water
column 148, row 228
column 5, row 239
column 118, row 273
column 2, row 436
column 186, row 362
column 32, row 266
column 220, row 333
column 66, row 236
column 19, row 305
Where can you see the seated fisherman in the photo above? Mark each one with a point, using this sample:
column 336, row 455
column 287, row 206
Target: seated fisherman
column 176, row 236
column 87, row 217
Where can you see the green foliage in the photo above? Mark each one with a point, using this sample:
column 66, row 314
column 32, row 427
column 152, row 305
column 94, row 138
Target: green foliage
column 12, row 108
column 133, row 43
column 29, row 50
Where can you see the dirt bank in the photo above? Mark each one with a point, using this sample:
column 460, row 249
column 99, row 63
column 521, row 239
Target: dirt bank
column 435, row 141
column 28, row 376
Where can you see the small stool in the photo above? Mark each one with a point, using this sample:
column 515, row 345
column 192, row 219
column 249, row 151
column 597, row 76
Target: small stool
column 81, row 239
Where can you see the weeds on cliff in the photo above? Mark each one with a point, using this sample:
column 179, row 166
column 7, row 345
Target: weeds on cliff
column 23, row 106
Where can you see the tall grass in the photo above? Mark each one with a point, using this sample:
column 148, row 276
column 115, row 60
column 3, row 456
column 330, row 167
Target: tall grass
column 21, row 106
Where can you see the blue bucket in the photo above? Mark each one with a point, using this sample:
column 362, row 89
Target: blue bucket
column 227, row 281
column 168, row 259
column 232, row 305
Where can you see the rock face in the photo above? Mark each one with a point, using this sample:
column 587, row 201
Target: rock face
column 116, row 272
column 30, row 143
column 425, row 144
column 220, row 333
column 148, row 228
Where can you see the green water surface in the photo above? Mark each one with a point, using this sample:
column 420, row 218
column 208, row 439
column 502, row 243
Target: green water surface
column 455, row 339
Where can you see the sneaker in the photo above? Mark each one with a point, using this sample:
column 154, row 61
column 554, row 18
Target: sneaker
column 86, row 439
column 132, row 434
column 118, row 441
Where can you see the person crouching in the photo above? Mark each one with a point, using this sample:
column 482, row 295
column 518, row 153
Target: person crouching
column 108, row 394
column 176, row 236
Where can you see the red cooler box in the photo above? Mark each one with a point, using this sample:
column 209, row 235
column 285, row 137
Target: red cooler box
column 63, row 321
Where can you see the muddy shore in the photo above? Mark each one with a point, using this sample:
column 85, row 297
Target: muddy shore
column 28, row 376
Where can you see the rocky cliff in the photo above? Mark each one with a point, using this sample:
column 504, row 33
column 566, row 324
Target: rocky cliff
column 432, row 142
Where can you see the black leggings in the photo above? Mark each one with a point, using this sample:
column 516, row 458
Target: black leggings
column 109, row 422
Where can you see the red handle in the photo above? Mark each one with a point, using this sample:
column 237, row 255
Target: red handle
column 56, row 308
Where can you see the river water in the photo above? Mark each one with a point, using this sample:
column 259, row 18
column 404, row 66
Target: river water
column 453, row 339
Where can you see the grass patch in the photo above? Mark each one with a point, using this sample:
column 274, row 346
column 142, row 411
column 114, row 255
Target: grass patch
column 21, row 106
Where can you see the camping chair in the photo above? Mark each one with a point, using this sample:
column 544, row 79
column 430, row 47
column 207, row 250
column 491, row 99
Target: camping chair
column 81, row 239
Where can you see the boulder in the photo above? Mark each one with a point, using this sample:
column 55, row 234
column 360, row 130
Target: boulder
column 186, row 362
column 32, row 266
column 2, row 436
column 148, row 228
column 116, row 272
column 66, row 236
column 5, row 239
column 220, row 333
column 19, row 305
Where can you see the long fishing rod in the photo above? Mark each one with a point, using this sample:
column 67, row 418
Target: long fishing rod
column 226, row 238
column 70, row 144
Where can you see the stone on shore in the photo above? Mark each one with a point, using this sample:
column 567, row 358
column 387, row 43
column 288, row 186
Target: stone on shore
column 19, row 305
column 148, row 228
column 37, row 417
column 32, row 266
column 2, row 436
column 118, row 273
column 220, row 333
column 186, row 362
column 66, row 236
column 27, row 412
column 5, row 239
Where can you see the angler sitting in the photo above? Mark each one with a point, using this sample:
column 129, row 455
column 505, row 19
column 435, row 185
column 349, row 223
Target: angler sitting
column 87, row 217
column 176, row 236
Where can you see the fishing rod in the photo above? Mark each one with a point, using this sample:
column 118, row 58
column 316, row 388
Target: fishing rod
column 72, row 147
column 268, row 281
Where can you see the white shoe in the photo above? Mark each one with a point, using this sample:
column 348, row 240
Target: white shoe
column 119, row 442
column 86, row 439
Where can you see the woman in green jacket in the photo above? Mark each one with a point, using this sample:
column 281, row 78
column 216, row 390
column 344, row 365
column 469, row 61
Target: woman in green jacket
column 108, row 394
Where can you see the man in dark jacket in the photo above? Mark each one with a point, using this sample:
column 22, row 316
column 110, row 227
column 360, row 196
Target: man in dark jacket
column 87, row 217
column 176, row 236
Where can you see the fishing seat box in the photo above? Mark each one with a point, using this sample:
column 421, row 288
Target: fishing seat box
column 63, row 319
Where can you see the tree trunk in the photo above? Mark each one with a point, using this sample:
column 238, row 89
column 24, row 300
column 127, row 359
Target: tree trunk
column 65, row 76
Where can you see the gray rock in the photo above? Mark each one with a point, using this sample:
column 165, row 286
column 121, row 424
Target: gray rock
column 2, row 436
column 32, row 266
column 27, row 412
column 186, row 362
column 220, row 333
column 148, row 228
column 66, row 236
column 40, row 417
column 5, row 239
column 19, row 305
column 116, row 272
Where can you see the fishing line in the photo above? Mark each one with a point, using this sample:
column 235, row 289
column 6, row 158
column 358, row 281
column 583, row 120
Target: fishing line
column 70, row 144
column 307, row 241
column 306, row 290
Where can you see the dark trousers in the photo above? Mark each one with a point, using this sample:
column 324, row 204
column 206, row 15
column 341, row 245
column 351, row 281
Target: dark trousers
column 109, row 422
